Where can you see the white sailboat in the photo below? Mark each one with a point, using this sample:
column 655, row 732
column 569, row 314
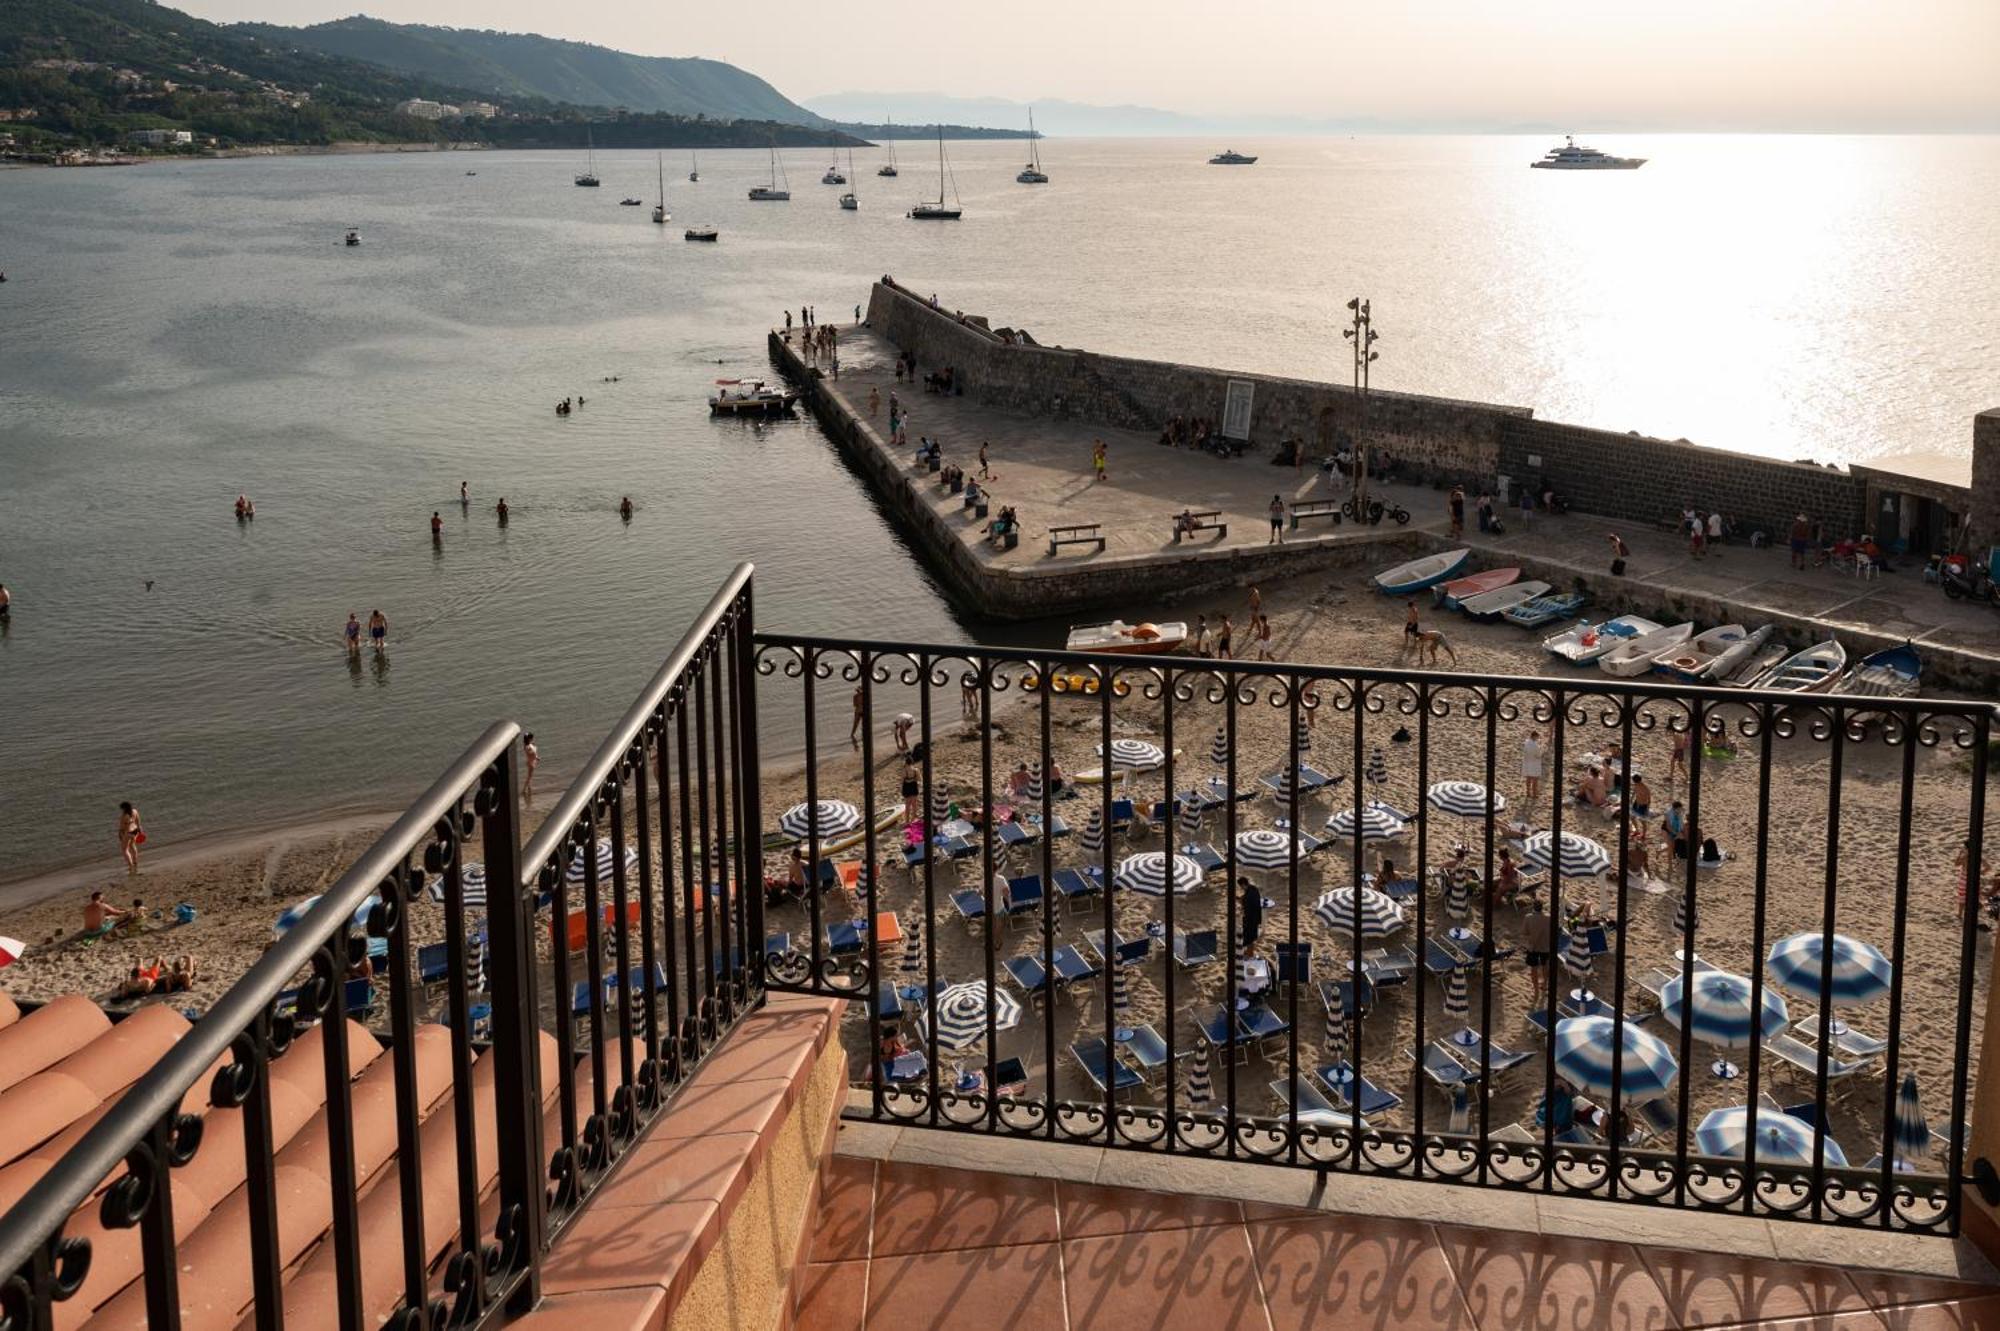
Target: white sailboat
column 1032, row 173
column 773, row 193
column 694, row 166
column 589, row 177
column 848, row 202
column 888, row 168
column 660, row 208
column 939, row 211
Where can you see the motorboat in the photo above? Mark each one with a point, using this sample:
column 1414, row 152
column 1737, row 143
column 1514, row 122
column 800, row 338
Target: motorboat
column 773, row 192
column 1421, row 573
column 1569, row 157
column 700, row 233
column 1118, row 636
column 1449, row 594
column 1815, row 670
column 1583, row 643
column 1493, row 604
column 1230, row 157
column 353, row 238
column 630, row 203
column 749, row 397
column 1711, row 654
column 1032, row 173
column 833, row 177
column 1635, row 656
column 1546, row 609
column 939, row 211
column 1891, row 673
column 589, row 178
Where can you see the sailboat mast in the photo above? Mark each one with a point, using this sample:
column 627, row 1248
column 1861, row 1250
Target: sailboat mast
column 940, row 164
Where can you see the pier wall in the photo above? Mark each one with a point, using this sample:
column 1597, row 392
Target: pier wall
column 1985, row 515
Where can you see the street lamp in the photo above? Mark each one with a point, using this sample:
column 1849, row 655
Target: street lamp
column 1362, row 336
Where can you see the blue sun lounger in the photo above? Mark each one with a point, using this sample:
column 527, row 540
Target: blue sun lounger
column 1076, row 885
column 1313, row 1106
column 970, row 905
column 1029, row 974
column 1339, row 1079
column 1071, row 966
column 1444, row 1070
column 1102, row 1068
column 1197, row 948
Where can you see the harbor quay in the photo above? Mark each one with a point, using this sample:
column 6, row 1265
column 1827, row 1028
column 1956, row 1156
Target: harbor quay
column 1087, row 545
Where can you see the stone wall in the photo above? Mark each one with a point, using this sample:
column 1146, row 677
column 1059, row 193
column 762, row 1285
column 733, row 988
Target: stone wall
column 1636, row 479
column 1985, row 516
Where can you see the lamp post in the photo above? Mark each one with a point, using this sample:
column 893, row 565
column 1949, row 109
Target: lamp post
column 1362, row 335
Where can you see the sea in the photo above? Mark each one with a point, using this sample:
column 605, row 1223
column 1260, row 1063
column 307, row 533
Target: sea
column 174, row 334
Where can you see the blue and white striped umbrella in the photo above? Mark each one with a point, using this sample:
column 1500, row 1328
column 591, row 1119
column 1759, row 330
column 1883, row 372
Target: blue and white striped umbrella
column 828, row 818
column 961, row 1014
column 1718, row 1009
column 1263, row 850
column 1378, row 915
column 1377, row 771
column 1149, row 873
column 1577, row 958
column 1302, row 736
column 1861, row 973
column 1035, row 782
column 913, row 948
column 940, row 803
column 472, row 882
column 606, row 861
column 1218, row 748
column 1121, row 997
column 1584, row 1049
column 1336, row 1024
column 1458, row 896
column 1199, row 1089
column 1457, row 995
column 287, row 921
column 1465, row 799
column 1684, row 911
column 475, row 963
column 1091, row 839
column 1377, row 821
column 1190, row 817
column 1581, row 857
column 1135, row 753
column 1781, row 1139
column 1913, row 1131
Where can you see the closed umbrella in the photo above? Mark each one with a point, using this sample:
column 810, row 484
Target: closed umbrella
column 1913, row 1132
column 1375, row 822
column 1458, row 1003
column 475, row 963
column 1377, row 770
column 1218, row 749
column 1781, row 1138
column 1577, row 958
column 1861, row 973
column 1121, row 998
column 1199, row 1091
column 1365, row 914
column 1458, row 897
column 1134, row 753
column 1465, row 799
column 1190, row 816
column 913, row 948
column 825, row 820
column 961, row 1013
column 1151, row 872
column 1302, row 736
column 1035, row 782
column 1586, row 1049
column 940, row 804
column 1581, row 857
column 1684, row 914
column 1091, row 840
column 1336, row 1024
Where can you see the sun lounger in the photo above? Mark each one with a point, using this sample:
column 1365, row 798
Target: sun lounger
column 1133, row 950
column 1441, row 958
column 1805, row 1060
column 433, row 963
column 1147, row 1049
column 1294, row 963
column 1313, row 1107
column 1208, row 857
column 1260, row 1025
column 1075, row 885
column 1401, row 889
column 1010, row 1077
column 904, row 1068
column 1339, row 1079
column 358, row 997
column 1514, row 1135
column 1106, row 1072
column 1122, row 814
column 1653, row 1120
column 1441, row 1065
column 1382, row 967
column 1029, row 974
column 1353, row 1006
column 1499, row 1058
column 1071, row 966
column 1024, row 897
column 1214, row 1026
column 970, row 905
column 1846, row 1040
column 1094, row 940
column 1311, row 781
column 1196, row 949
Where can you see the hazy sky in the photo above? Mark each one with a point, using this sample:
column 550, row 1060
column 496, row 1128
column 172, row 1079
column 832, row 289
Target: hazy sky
column 1851, row 64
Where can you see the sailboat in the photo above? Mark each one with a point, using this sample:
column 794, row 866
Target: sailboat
column 694, row 167
column 939, row 211
column 589, row 177
column 1031, row 174
column 888, row 168
column 833, row 176
column 772, row 193
column 848, row 202
column 660, row 208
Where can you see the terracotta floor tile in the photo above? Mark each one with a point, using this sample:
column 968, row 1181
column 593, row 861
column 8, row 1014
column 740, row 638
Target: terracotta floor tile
column 1354, row 1271
column 1960, row 1315
column 1539, row 1283
column 1195, row 1278
column 920, row 1209
column 1716, row 1289
column 623, row 1309
column 1088, row 1210
column 673, row 1169
column 846, row 1212
column 1885, row 1289
column 830, row 1296
column 626, row 1247
column 1019, row 1288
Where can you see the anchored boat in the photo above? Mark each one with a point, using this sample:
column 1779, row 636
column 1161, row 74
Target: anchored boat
column 1118, row 636
column 1635, row 656
column 1891, row 673
column 1584, row 643
column 1712, row 655
column 1421, row 573
column 738, row 397
column 1491, row 605
column 1815, row 670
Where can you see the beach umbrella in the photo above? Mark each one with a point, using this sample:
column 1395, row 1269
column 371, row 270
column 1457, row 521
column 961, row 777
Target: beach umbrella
column 1465, row 799
column 1263, row 850
column 287, row 921
column 605, row 858
column 1377, row 770
column 1913, row 1131
column 1581, row 857
column 1302, row 736
column 1121, row 998
column 1458, row 896
column 471, row 881
column 827, row 819
column 1199, row 1091
column 961, row 1013
column 913, row 947
column 1716, row 1008
column 1781, row 1138
column 1376, row 821
column 1458, row 999
column 1091, row 840
column 1035, row 782
column 1684, row 914
column 1151, row 871
column 1365, row 912
column 940, row 804
column 1860, row 972
column 11, row 950
column 1577, row 958
column 1218, row 749
column 1336, row 1024
column 1585, row 1049
column 1134, row 753
column 1190, row 816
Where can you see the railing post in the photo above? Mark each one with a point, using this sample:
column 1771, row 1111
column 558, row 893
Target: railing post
column 749, row 791
column 517, row 1077
column 1979, row 1204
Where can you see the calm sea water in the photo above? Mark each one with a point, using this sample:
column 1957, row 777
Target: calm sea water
column 175, row 334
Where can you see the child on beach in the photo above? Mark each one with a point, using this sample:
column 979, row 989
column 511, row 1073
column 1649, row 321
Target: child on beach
column 1097, row 458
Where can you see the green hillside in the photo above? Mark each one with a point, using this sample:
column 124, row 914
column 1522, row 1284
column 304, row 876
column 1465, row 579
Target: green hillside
column 502, row 65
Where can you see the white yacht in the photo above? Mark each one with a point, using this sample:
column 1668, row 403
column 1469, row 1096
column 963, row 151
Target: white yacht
column 1569, row 157
column 1032, row 173
column 1230, row 157
column 772, row 193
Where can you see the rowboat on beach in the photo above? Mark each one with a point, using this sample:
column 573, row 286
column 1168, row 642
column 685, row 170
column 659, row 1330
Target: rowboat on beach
column 1815, row 670
column 1421, row 573
column 1584, row 643
column 1712, row 654
column 1635, row 656
column 1545, row 609
column 1118, row 636
column 1891, row 673
column 1491, row 605
column 1458, row 590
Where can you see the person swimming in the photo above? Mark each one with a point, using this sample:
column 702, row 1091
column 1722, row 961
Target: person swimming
column 625, row 508
column 501, row 509
column 437, row 526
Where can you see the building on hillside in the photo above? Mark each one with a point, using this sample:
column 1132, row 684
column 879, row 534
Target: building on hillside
column 160, row 138
column 482, row 110
column 424, row 109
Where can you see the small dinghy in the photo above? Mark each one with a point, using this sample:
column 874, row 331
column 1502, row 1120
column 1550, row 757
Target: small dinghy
column 1458, row 590
column 1118, row 636
column 700, row 233
column 1491, row 605
column 1421, row 573
column 1712, row 654
column 1546, row 609
column 1893, row 673
column 1584, row 643
column 1635, row 656
column 1815, row 670
column 1752, row 667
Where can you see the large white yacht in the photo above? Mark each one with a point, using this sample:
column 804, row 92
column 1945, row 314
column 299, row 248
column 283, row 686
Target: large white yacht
column 1569, row 157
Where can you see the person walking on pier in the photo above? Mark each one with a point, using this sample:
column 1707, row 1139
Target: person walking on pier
column 1277, row 520
column 1223, row 633
column 1457, row 506
column 1801, row 535
column 1619, row 553
column 1098, row 457
column 985, row 473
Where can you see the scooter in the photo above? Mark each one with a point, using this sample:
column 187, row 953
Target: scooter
column 1964, row 580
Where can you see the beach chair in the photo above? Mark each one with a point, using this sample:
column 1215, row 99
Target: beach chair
column 1076, row 885
column 1260, row 1025
column 1444, row 1069
column 433, row 964
column 1010, row 1077
column 888, row 1002
column 1313, row 1107
column 970, row 905
column 1353, row 1003
column 1441, row 957
column 846, row 936
column 1208, row 857
column 1499, row 1060
column 1014, row 834
column 1804, row 1060
column 1071, row 967
column 1148, row 1050
column 1133, row 950
column 906, row 1068
column 1339, row 1079
column 1514, row 1134
column 1653, row 1120
column 1214, row 1026
column 1198, row 948
column 1401, row 889
column 1094, row 940
column 1030, row 976
column 1846, row 1040
column 1106, row 1071
column 1122, row 815
column 358, row 998
column 1383, row 967
column 1024, row 898
column 1294, row 963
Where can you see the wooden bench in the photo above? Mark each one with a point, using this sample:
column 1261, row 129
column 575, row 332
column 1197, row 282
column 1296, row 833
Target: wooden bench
column 1076, row 533
column 1315, row 508
column 1207, row 519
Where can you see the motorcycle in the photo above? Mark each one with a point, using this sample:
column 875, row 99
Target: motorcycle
column 1964, row 580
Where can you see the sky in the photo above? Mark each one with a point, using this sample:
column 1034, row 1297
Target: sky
column 1667, row 64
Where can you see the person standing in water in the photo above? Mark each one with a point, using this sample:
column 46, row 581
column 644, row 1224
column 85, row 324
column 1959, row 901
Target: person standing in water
column 464, row 494
column 437, row 528
column 625, row 508
column 352, row 634
column 501, row 509
column 131, row 835
column 6, row 603
column 378, row 629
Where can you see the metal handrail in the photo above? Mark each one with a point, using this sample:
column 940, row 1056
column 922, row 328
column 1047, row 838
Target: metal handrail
column 71, row 1181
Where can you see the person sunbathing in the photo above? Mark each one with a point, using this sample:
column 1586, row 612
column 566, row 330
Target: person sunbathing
column 142, row 980
column 182, row 977
column 101, row 917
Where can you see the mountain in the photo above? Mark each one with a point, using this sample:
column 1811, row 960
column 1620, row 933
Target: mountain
column 507, row 65
column 1074, row 119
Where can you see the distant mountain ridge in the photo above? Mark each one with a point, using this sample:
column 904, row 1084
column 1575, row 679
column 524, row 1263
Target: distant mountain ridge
column 512, row 65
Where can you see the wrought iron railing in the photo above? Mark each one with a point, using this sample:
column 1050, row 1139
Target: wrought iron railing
column 1837, row 817
column 668, row 792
